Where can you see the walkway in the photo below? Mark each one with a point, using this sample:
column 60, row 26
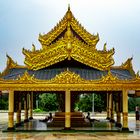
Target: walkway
column 133, row 125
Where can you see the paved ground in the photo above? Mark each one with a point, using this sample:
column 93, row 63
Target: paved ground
column 133, row 125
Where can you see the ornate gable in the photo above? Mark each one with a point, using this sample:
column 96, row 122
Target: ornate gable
column 68, row 39
column 10, row 64
column 60, row 29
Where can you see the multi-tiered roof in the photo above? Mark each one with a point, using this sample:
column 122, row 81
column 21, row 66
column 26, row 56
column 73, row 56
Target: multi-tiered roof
column 68, row 47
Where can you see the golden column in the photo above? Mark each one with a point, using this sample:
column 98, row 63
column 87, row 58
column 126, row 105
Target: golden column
column 108, row 116
column 31, row 106
column 125, row 110
column 11, row 111
column 26, row 107
column 67, row 109
column 110, row 104
column 18, row 121
column 118, row 123
column 111, row 108
column 112, row 111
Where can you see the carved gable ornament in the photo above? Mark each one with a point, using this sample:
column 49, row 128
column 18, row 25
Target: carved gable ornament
column 68, row 39
column 110, row 78
column 67, row 77
column 26, row 78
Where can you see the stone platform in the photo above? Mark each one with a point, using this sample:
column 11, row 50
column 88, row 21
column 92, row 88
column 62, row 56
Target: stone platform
column 77, row 120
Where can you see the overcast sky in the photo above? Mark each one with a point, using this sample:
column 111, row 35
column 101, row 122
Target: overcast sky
column 116, row 21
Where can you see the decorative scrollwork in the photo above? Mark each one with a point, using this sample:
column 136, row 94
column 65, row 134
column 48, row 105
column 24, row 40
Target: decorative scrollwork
column 109, row 78
column 26, row 78
column 68, row 39
column 68, row 77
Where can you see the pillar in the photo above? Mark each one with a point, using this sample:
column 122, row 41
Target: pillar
column 112, row 111
column 67, row 109
column 26, row 108
column 111, row 108
column 31, row 106
column 110, row 104
column 118, row 113
column 11, row 111
column 108, row 117
column 125, row 110
column 18, row 115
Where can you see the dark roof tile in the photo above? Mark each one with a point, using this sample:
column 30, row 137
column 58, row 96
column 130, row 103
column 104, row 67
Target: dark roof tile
column 85, row 73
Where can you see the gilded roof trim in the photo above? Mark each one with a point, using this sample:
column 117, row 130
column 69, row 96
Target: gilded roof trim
column 46, row 39
column 68, row 77
column 66, row 49
column 10, row 64
column 127, row 65
column 71, row 81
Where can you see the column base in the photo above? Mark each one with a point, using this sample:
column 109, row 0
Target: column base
column 27, row 120
column 18, row 124
column 107, row 118
column 11, row 129
column 125, row 129
column 118, row 125
column 30, row 118
column 112, row 120
column 67, row 128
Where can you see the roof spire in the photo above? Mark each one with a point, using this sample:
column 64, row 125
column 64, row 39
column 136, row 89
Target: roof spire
column 69, row 14
column 68, row 7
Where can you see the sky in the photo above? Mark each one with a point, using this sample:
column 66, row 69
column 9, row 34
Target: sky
column 116, row 21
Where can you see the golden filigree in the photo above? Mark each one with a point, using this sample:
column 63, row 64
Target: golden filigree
column 68, row 47
column 62, row 43
column 92, row 40
column 68, row 39
column 110, row 78
column 26, row 78
column 93, row 58
column 71, row 81
column 61, row 27
column 67, row 77
column 47, row 57
column 10, row 64
column 33, row 48
column 128, row 64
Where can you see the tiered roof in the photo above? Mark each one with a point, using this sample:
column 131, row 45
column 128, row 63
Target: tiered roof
column 68, row 47
column 68, row 40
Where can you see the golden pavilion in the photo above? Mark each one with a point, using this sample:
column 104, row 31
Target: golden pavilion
column 69, row 63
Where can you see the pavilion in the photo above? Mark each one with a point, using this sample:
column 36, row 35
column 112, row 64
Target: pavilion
column 67, row 63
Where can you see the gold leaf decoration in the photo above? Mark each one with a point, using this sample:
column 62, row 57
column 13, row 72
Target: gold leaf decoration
column 79, row 51
column 128, row 64
column 68, row 39
column 26, row 78
column 11, row 63
column 68, row 77
column 110, row 78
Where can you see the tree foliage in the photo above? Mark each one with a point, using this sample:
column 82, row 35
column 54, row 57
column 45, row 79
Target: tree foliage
column 86, row 100
column 132, row 102
column 48, row 102
column 3, row 102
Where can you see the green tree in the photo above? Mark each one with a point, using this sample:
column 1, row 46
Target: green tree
column 132, row 102
column 4, row 102
column 48, row 102
column 85, row 103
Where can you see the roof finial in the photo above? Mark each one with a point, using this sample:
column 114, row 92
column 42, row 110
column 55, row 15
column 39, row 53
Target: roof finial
column 68, row 7
column 69, row 14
